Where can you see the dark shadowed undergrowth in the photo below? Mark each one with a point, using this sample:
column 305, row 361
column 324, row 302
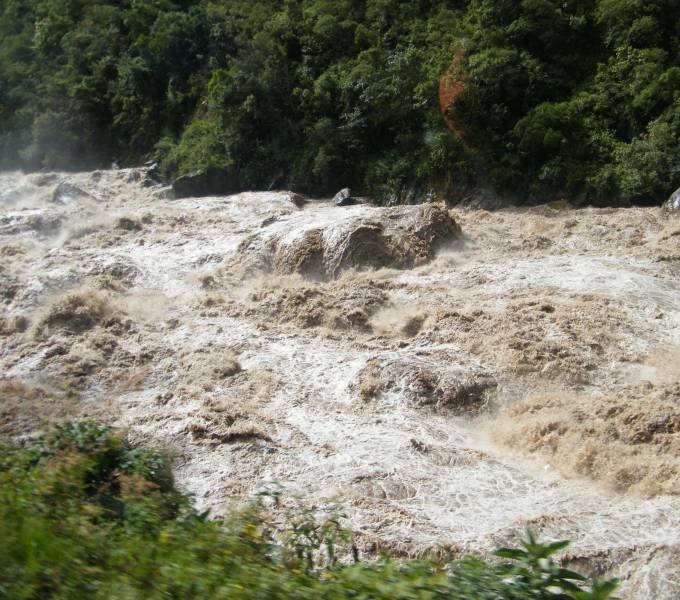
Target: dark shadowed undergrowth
column 83, row 514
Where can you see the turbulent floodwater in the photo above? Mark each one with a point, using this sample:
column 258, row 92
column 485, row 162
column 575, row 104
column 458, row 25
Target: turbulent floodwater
column 449, row 377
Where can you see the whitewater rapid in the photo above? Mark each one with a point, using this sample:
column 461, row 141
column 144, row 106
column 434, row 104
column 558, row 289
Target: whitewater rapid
column 539, row 303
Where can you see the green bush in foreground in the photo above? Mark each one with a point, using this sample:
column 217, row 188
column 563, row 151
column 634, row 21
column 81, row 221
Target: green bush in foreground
column 85, row 515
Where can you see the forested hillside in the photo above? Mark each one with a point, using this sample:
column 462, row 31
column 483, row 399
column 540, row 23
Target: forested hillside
column 533, row 99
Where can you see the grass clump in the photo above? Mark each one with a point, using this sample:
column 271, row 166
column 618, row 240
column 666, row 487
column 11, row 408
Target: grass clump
column 83, row 514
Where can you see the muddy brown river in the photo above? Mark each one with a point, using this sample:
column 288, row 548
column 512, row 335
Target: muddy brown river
column 450, row 377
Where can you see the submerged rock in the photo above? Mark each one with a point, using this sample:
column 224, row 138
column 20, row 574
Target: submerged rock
column 45, row 225
column 154, row 175
column 42, row 179
column 67, row 193
column 297, row 199
column 165, row 193
column 77, row 313
column 344, row 198
column 128, row 224
column 673, row 203
column 362, row 238
column 462, row 390
column 205, row 183
column 338, row 306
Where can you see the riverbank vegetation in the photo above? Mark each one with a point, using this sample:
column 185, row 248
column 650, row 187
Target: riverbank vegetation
column 84, row 514
column 397, row 98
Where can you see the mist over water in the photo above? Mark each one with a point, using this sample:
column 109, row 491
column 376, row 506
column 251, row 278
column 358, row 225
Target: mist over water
column 521, row 375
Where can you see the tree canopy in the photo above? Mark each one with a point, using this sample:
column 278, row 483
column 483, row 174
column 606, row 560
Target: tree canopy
column 578, row 98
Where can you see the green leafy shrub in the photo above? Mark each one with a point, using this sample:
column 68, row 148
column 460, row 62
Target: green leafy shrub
column 85, row 515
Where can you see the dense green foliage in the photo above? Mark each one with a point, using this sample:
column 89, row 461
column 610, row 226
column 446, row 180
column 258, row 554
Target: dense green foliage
column 577, row 97
column 581, row 96
column 85, row 515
